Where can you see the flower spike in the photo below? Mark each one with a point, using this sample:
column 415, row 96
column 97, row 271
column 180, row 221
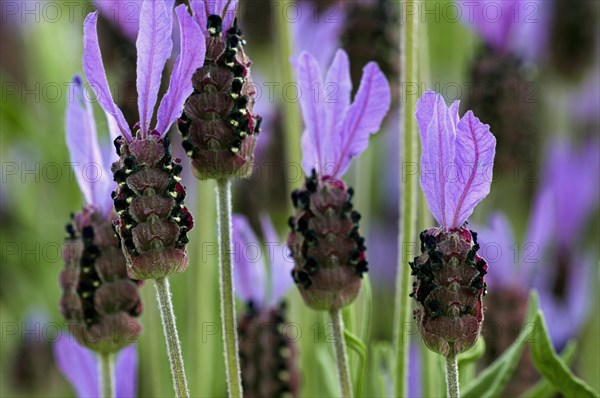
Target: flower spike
column 153, row 221
column 330, row 261
column 100, row 302
column 456, row 163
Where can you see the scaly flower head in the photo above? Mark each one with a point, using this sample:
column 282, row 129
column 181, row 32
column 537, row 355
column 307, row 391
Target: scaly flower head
column 153, row 222
column 100, row 302
column 219, row 126
column 456, row 161
column 328, row 250
column 268, row 355
column 80, row 367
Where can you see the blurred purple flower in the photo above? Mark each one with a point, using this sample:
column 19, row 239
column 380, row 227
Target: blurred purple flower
column 317, row 33
column 252, row 282
column 456, row 161
column 504, row 24
column 568, row 195
column 154, row 47
column 337, row 130
column 79, row 365
column 204, row 8
column 518, row 268
column 90, row 163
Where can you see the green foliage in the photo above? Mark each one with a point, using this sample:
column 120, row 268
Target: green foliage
column 552, row 367
column 494, row 378
column 544, row 388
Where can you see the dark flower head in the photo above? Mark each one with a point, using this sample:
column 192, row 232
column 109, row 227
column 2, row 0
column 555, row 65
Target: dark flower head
column 268, row 355
column 327, row 247
column 100, row 302
column 457, row 156
column 218, row 125
column 153, row 221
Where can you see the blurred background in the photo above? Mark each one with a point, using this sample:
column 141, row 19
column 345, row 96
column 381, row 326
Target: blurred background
column 535, row 79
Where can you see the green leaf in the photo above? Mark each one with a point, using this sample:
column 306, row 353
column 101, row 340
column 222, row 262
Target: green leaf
column 467, row 361
column 492, row 380
column 544, row 388
column 356, row 344
column 552, row 367
column 380, row 371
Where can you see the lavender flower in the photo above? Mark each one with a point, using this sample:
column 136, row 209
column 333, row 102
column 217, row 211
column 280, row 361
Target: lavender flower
column 218, row 125
column 567, row 199
column 268, row 356
column 100, row 302
column 456, row 160
column 153, row 222
column 328, row 250
column 80, row 367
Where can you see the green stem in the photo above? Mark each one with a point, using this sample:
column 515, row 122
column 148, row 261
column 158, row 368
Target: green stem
column 291, row 115
column 228, row 318
column 452, row 376
column 163, row 294
column 107, row 371
column 408, row 200
column 341, row 353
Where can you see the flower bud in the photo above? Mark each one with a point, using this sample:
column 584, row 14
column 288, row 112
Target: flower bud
column 218, row 125
column 328, row 250
column 268, row 355
column 99, row 300
column 153, row 221
column 449, row 289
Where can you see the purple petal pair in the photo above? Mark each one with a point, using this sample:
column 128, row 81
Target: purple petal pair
column 327, row 247
column 80, row 367
column 268, row 355
column 100, row 302
column 153, row 222
column 456, row 163
column 219, row 126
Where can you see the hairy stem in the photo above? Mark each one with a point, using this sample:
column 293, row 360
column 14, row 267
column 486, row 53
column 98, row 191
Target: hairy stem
column 408, row 199
column 228, row 318
column 107, row 371
column 341, row 353
column 452, row 376
column 163, row 294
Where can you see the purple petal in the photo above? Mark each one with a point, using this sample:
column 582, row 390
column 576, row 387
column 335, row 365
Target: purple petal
column 364, row 117
column 497, row 245
column 338, row 89
column 533, row 22
column 542, row 220
column 438, row 135
column 492, row 20
column 79, row 366
column 317, row 32
column 248, row 265
column 311, row 94
column 193, row 49
column 475, row 150
column 82, row 141
column 229, row 13
column 200, row 15
column 154, row 47
column 281, row 263
column 126, row 369
column 94, row 71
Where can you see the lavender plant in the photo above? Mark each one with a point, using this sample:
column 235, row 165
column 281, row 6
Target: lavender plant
column 268, row 354
column 153, row 221
column 100, row 302
column 219, row 130
column 457, row 156
column 327, row 247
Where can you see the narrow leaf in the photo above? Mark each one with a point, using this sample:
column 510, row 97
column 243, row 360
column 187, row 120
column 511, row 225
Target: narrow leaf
column 552, row 367
column 356, row 344
column 544, row 388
